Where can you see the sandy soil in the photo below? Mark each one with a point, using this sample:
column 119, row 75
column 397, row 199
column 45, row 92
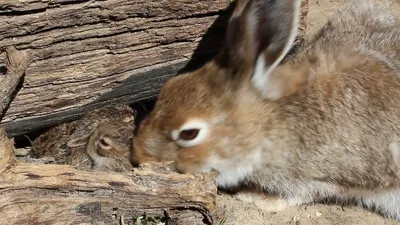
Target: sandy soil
column 239, row 213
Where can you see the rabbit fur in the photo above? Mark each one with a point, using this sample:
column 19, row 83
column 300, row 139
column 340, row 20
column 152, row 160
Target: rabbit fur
column 320, row 123
column 100, row 140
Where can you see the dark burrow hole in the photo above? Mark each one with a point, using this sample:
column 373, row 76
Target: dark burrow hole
column 3, row 70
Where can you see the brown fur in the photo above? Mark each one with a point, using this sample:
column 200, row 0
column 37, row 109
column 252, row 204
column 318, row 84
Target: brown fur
column 116, row 156
column 70, row 143
column 324, row 127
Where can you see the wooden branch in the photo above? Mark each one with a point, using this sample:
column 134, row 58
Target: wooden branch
column 91, row 52
column 60, row 194
column 7, row 157
column 17, row 62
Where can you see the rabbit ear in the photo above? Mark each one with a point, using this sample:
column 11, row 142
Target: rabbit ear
column 260, row 33
column 78, row 141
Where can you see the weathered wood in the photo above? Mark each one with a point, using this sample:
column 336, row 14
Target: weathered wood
column 91, row 52
column 17, row 62
column 55, row 194
column 60, row 194
column 7, row 157
column 141, row 84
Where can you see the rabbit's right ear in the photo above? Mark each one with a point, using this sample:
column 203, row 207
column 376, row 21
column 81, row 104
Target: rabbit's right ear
column 260, row 33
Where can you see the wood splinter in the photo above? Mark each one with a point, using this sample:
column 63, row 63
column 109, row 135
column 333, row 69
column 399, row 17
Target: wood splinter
column 7, row 157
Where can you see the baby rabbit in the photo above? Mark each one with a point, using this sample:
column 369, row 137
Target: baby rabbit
column 322, row 123
column 100, row 140
column 108, row 146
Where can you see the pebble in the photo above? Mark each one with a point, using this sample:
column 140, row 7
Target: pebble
column 22, row 151
column 296, row 220
column 318, row 214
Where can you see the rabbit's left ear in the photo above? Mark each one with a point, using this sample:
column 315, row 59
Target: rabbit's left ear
column 260, row 33
column 78, row 141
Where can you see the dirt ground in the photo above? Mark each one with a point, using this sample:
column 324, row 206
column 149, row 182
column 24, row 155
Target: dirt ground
column 239, row 213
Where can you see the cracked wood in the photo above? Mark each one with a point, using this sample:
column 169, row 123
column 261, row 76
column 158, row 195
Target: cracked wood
column 88, row 53
column 60, row 194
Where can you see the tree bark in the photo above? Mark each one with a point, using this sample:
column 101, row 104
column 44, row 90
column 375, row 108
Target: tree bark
column 17, row 62
column 91, row 52
column 60, row 194
column 7, row 157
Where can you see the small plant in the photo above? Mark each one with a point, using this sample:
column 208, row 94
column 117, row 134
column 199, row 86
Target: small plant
column 148, row 220
column 223, row 221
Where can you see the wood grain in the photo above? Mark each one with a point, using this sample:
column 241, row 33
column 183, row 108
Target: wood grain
column 17, row 62
column 91, row 52
column 60, row 194
column 56, row 194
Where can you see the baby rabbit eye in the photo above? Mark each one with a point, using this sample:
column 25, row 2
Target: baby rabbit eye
column 189, row 134
column 103, row 142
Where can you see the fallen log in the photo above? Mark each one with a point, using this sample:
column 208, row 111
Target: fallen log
column 60, row 194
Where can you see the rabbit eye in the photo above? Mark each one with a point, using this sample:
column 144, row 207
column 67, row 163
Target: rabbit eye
column 189, row 134
column 103, row 142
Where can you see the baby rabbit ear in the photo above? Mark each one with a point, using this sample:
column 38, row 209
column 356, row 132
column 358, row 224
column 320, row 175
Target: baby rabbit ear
column 260, row 33
column 77, row 141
